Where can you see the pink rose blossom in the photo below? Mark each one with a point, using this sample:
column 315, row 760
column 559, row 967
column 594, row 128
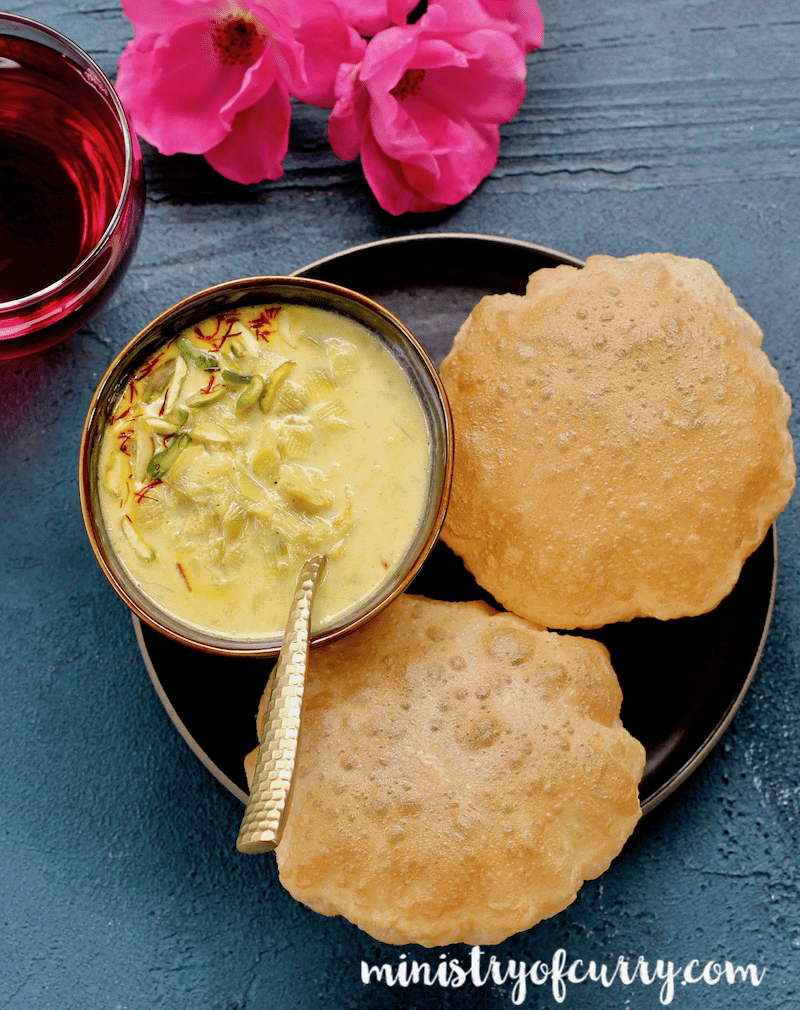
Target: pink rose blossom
column 423, row 106
column 213, row 79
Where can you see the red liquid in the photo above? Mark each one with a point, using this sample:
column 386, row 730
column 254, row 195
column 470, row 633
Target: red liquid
column 62, row 173
column 41, row 218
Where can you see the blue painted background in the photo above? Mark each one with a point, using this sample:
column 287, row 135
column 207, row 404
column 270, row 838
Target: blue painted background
column 647, row 126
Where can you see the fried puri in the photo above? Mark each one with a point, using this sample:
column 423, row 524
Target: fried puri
column 621, row 442
column 460, row 774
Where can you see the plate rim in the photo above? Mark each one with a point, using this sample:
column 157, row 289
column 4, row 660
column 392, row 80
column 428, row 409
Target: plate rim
column 438, row 236
column 685, row 771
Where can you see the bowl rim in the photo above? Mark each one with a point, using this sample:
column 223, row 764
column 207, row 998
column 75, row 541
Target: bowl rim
column 96, row 76
column 432, row 519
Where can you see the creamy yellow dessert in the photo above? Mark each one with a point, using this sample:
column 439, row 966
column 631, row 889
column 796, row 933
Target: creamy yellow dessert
column 251, row 443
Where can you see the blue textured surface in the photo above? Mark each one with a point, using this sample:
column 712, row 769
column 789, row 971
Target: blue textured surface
column 646, row 126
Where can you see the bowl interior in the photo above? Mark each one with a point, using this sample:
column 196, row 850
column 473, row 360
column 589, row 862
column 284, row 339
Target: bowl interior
column 239, row 294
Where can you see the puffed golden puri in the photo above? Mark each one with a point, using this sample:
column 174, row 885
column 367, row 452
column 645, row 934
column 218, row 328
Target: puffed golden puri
column 621, row 442
column 461, row 773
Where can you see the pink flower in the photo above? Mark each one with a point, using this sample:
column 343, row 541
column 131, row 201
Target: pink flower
column 213, row 79
column 423, row 106
column 525, row 17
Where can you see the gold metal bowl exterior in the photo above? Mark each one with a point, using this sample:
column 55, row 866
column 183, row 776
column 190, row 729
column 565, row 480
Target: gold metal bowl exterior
column 238, row 294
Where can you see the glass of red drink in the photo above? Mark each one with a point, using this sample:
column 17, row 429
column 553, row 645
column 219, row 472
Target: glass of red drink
column 71, row 187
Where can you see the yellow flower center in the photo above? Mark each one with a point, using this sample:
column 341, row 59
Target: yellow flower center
column 238, row 40
column 409, row 85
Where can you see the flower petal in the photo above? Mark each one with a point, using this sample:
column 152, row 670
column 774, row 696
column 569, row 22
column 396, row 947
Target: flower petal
column 399, row 10
column 459, row 171
column 491, row 88
column 387, row 181
column 174, row 86
column 388, row 56
column 281, row 21
column 256, row 82
column 439, row 53
column 347, row 121
column 328, row 42
column 164, row 16
column 258, row 139
column 525, row 17
column 368, row 17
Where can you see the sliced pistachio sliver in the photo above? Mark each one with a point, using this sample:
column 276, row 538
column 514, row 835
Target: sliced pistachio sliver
column 273, row 385
column 210, row 433
column 140, row 547
column 144, row 449
column 194, row 356
column 176, row 386
column 158, row 380
column 183, row 464
column 204, row 399
column 285, row 329
column 161, row 426
column 118, row 473
column 235, row 348
column 249, row 340
column 159, row 465
column 251, row 394
column 234, row 378
column 180, row 415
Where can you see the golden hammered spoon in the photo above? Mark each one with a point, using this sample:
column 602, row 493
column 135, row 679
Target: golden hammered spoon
column 271, row 789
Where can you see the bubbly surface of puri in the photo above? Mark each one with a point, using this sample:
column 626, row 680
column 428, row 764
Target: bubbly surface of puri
column 251, row 443
column 461, row 773
column 621, row 442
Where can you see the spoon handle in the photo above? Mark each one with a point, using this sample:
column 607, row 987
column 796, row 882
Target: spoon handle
column 271, row 789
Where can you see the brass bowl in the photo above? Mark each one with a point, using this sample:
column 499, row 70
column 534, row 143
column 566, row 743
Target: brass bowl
column 247, row 291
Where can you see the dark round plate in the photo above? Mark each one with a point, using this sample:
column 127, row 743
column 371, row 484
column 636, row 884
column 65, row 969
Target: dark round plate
column 682, row 680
